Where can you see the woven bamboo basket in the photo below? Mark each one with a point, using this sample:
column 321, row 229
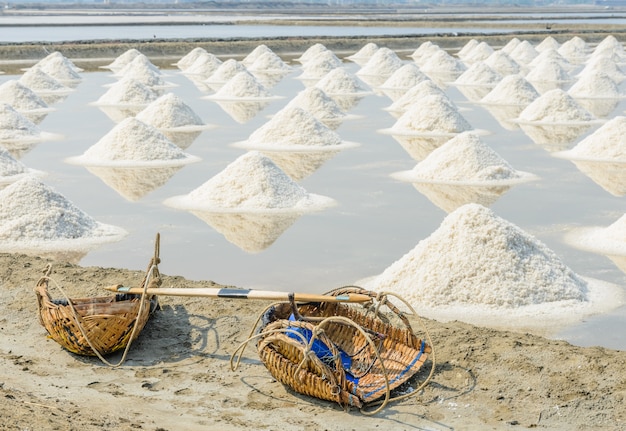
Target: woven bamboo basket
column 347, row 353
column 97, row 326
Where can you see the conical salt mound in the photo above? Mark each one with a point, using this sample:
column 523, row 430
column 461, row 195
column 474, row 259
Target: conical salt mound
column 169, row 112
column 141, row 70
column 414, row 94
column 524, row 53
column 133, row 143
column 339, row 81
column 467, row 48
column 312, row 52
column 512, row 90
column 20, row 97
column 550, row 55
column 15, row 127
column 225, row 71
column 123, row 59
column 320, row 65
column 269, row 63
column 443, row 63
column 11, row 169
column 188, row 59
column 365, row 53
column 511, row 45
column 255, row 54
column 242, row 86
column 42, row 83
column 464, row 158
column 32, row 213
column 555, row 106
column 479, row 74
column 127, row 92
column 318, row 103
column 549, row 70
column 502, row 63
column 547, row 44
column 383, row 63
column 605, row 144
column 252, row 182
column 59, row 67
column 294, row 127
column 479, row 53
column 405, row 77
column 433, row 114
column 478, row 258
column 595, row 85
column 605, row 65
column 204, row 65
column 424, row 52
column 575, row 50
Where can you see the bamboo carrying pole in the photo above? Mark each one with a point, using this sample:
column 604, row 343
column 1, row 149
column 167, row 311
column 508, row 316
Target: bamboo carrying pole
column 210, row 292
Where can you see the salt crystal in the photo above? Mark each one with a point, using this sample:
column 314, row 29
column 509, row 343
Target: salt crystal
column 11, row 169
column 595, row 85
column 524, row 53
column 42, row 83
column 574, row 50
column 123, row 59
column 188, row 59
column 133, row 143
column 242, row 86
column 443, row 63
column 255, row 54
column 511, row 45
column 341, row 82
column 479, row 74
column 383, row 63
column 14, row 127
column 548, row 70
column 320, row 65
column 434, row 115
column 225, row 71
column 141, row 70
column 415, row 94
column 467, row 48
column 365, row 53
column 404, row 78
column 33, row 214
column 424, row 52
column 547, row 44
column 312, row 52
column 59, row 67
column 607, row 143
column 293, row 128
column 464, row 159
column 605, row 65
column 169, row 112
column 127, row 92
column 550, row 55
column 318, row 103
column 480, row 52
column 253, row 183
column 502, row 63
column 478, row 258
column 555, row 107
column 21, row 98
column 269, row 63
column 204, row 65
column 512, row 90
column 609, row 46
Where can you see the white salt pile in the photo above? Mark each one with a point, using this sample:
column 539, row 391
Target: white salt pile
column 14, row 127
column 242, row 86
column 188, row 59
column 555, row 107
column 341, row 82
column 479, row 53
column 312, row 52
column 440, row 62
column 606, row 144
column 512, row 90
column 502, row 63
column 294, row 129
column 424, row 52
column 269, row 62
column 261, row 49
column 609, row 47
column 383, row 63
column 467, row 48
column 434, row 115
column 524, row 53
column 204, row 65
column 123, row 59
column 364, row 54
column 480, row 268
column 12, row 170
column 320, row 65
column 479, row 74
column 252, row 183
column 404, row 78
column 549, row 43
column 511, row 45
column 605, row 65
column 21, row 98
column 549, row 70
column 142, row 70
column 59, row 67
column 127, row 92
column 575, row 50
column 42, row 83
column 170, row 112
column 225, row 71
column 319, row 104
column 414, row 94
column 464, row 159
column 610, row 241
column 550, row 55
column 133, row 143
column 33, row 215
column 596, row 85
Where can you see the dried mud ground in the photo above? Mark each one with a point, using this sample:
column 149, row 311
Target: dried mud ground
column 177, row 374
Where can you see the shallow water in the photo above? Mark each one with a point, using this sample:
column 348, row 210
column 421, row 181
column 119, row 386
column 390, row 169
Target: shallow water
column 376, row 221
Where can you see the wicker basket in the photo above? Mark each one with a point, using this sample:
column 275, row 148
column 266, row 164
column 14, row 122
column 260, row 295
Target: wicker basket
column 101, row 325
column 341, row 352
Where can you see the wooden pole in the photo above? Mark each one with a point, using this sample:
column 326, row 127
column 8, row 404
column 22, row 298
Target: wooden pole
column 210, row 292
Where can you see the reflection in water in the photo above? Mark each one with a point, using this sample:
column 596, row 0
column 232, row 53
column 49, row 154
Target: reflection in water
column 600, row 108
column 270, row 79
column 18, row 149
column 252, row 232
column 419, row 147
column 554, row 137
column 301, row 164
column 449, row 197
column 346, row 102
column 119, row 113
column 242, row 111
column 504, row 114
column 543, row 87
column 474, row 93
column 133, row 183
column 36, row 115
column 180, row 138
column 619, row 261
column 611, row 176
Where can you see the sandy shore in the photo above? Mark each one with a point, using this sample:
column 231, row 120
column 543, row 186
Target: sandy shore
column 177, row 375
